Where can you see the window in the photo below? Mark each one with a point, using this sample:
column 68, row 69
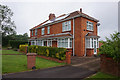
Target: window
column 89, row 26
column 97, row 43
column 87, row 42
column 48, row 30
column 39, row 42
column 43, row 30
column 66, row 26
column 32, row 32
column 65, row 43
column 70, row 42
column 32, row 42
column 49, row 43
column 35, row 31
column 92, row 42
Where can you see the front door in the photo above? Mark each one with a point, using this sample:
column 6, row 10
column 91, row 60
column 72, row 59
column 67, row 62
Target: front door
column 95, row 48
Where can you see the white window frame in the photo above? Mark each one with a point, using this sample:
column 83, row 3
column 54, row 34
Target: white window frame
column 48, row 30
column 63, row 42
column 66, row 26
column 50, row 43
column 35, row 32
column 32, row 32
column 39, row 42
column 89, row 26
column 91, row 45
column 42, row 31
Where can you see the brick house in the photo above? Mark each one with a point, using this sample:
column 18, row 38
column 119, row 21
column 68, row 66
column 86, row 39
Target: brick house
column 75, row 31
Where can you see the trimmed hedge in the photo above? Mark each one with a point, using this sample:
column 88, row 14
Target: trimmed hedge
column 16, row 43
column 22, row 48
column 59, row 53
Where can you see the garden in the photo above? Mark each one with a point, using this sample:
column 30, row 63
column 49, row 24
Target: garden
column 18, row 63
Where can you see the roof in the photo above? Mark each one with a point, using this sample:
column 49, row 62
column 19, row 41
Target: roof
column 91, row 35
column 53, row 36
column 65, row 17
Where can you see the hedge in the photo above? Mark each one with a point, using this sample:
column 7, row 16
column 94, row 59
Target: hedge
column 23, row 48
column 59, row 53
column 16, row 43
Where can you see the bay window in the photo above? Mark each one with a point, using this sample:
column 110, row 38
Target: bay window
column 65, row 43
column 91, row 42
column 39, row 42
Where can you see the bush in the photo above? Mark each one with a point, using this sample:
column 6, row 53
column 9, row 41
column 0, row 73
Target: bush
column 59, row 53
column 111, row 47
column 16, row 43
column 22, row 47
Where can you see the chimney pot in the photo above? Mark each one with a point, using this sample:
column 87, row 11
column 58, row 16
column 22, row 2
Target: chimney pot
column 81, row 10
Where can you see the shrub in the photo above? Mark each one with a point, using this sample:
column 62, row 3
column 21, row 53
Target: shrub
column 16, row 43
column 54, row 52
column 22, row 47
column 111, row 47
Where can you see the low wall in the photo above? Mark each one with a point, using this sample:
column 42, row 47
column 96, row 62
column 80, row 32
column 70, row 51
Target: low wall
column 52, row 59
column 68, row 58
column 108, row 65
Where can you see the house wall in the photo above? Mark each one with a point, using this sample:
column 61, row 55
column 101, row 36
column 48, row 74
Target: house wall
column 80, row 32
column 54, row 29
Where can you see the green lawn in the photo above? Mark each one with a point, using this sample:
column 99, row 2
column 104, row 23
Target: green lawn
column 10, row 52
column 101, row 75
column 18, row 63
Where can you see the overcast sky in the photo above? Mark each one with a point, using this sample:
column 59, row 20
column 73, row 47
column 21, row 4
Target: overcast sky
column 30, row 14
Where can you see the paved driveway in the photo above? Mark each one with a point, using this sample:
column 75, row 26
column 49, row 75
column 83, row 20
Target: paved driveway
column 80, row 70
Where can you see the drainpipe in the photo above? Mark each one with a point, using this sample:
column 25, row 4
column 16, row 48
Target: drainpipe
column 85, row 46
column 73, row 37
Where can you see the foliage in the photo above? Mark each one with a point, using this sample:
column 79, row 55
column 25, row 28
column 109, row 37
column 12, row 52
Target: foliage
column 6, row 24
column 16, row 43
column 5, row 39
column 23, row 47
column 54, row 52
column 111, row 47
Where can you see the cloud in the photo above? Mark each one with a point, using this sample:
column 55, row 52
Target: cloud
column 30, row 14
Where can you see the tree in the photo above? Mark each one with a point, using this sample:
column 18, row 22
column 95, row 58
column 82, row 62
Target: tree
column 7, row 26
column 111, row 47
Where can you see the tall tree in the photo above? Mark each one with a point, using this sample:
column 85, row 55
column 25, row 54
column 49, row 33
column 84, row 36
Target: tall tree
column 7, row 26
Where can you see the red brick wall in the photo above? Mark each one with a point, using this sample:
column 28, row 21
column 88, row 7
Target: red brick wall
column 89, row 52
column 54, row 29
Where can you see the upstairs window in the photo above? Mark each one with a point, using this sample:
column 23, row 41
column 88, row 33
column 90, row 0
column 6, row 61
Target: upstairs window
column 89, row 26
column 32, row 32
column 43, row 31
column 48, row 30
column 66, row 26
column 35, row 32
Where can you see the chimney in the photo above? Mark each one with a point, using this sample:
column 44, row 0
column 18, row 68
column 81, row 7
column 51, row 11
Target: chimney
column 52, row 17
column 81, row 10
